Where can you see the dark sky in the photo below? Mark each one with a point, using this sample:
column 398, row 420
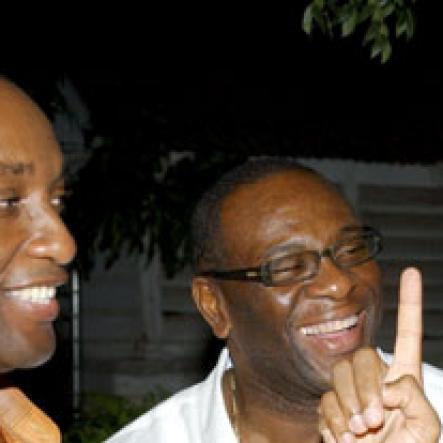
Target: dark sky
column 251, row 71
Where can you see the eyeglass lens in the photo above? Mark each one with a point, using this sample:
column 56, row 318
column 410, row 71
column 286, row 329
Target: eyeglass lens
column 350, row 251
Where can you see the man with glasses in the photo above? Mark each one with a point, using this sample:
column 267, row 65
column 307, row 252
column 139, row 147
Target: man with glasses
column 285, row 274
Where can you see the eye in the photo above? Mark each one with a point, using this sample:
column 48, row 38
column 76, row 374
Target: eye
column 9, row 203
column 352, row 252
column 58, row 202
column 290, row 268
column 354, row 248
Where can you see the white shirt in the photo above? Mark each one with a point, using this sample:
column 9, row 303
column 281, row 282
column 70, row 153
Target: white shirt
column 198, row 414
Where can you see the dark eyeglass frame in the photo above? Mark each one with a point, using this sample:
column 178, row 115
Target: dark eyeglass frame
column 263, row 274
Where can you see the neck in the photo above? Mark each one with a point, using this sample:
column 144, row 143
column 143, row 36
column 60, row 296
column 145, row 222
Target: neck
column 259, row 421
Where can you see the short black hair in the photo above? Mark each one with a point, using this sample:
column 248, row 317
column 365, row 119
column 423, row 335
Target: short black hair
column 207, row 244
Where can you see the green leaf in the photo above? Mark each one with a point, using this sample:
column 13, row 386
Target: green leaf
column 377, row 15
column 388, row 10
column 386, row 52
column 401, row 26
column 376, row 49
column 365, row 13
column 371, row 33
column 319, row 18
column 384, row 30
column 307, row 20
column 348, row 26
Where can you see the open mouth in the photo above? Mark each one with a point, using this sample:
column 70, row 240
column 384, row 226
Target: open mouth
column 37, row 294
column 332, row 338
column 335, row 337
column 330, row 327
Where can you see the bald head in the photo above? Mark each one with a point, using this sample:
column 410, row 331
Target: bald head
column 206, row 230
column 20, row 117
column 13, row 100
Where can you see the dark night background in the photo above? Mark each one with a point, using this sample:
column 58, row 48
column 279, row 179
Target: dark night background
column 227, row 82
column 251, row 71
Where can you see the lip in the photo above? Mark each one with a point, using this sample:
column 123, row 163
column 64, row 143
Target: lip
column 55, row 281
column 38, row 312
column 340, row 342
column 332, row 315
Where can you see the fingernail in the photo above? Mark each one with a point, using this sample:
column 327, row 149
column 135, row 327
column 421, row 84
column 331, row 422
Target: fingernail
column 357, row 424
column 373, row 416
column 347, row 437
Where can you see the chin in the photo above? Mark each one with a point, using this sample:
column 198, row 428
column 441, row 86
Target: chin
column 40, row 359
column 39, row 353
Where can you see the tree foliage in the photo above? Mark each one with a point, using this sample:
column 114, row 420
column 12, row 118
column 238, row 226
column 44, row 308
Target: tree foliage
column 103, row 415
column 381, row 20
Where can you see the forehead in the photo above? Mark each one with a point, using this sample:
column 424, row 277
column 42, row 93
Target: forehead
column 290, row 206
column 27, row 140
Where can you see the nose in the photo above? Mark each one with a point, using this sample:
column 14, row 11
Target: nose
column 51, row 239
column 331, row 281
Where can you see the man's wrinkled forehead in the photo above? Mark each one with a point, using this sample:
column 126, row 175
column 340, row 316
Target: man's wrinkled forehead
column 16, row 168
column 276, row 190
column 26, row 134
column 276, row 204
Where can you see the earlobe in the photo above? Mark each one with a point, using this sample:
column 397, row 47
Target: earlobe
column 212, row 305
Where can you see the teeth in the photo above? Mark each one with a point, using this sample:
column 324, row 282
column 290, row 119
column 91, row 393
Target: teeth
column 40, row 294
column 330, row 326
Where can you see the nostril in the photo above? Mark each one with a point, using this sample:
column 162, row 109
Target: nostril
column 39, row 249
column 40, row 246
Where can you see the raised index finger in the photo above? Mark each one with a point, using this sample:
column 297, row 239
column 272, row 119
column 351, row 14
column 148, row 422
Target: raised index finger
column 408, row 343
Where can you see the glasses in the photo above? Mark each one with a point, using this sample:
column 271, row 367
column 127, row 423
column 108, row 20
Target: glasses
column 357, row 245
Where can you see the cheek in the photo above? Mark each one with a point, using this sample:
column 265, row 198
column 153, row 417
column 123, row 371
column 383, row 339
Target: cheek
column 249, row 298
column 368, row 272
column 11, row 240
column 369, row 275
column 260, row 313
column 6, row 255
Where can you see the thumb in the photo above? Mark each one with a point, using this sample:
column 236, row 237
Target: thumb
column 14, row 407
column 23, row 420
column 407, row 395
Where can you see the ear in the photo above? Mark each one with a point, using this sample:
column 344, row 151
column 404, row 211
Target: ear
column 212, row 305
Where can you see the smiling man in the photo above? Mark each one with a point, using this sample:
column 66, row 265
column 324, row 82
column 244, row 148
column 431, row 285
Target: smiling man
column 34, row 247
column 285, row 274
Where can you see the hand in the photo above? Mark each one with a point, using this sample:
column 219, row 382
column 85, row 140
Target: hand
column 21, row 421
column 373, row 403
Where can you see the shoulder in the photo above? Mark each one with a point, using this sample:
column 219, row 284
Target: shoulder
column 433, row 384
column 167, row 421
column 190, row 416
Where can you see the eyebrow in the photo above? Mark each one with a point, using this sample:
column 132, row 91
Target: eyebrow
column 291, row 245
column 60, row 181
column 299, row 243
column 18, row 168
